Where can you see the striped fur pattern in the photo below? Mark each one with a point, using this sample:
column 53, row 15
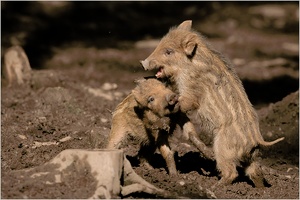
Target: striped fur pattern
column 209, row 87
column 143, row 118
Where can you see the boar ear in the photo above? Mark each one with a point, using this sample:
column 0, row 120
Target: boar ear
column 134, row 93
column 189, row 45
column 186, row 25
column 137, row 96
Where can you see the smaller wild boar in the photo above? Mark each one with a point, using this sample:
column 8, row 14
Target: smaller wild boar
column 17, row 67
column 149, row 116
column 143, row 116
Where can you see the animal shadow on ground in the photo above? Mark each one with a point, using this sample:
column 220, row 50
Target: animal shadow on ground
column 193, row 161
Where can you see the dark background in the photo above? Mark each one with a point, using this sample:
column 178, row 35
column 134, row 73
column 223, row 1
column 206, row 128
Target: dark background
column 38, row 26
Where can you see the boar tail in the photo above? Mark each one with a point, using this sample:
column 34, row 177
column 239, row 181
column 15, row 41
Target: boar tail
column 264, row 143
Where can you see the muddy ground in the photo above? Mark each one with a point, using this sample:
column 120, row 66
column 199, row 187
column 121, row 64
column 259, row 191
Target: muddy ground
column 68, row 105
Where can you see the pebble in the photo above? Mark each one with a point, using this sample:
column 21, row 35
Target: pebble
column 104, row 120
column 109, row 86
column 182, row 183
column 23, row 137
column 65, row 139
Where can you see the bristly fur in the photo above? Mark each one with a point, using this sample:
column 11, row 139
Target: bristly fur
column 210, row 87
column 134, row 122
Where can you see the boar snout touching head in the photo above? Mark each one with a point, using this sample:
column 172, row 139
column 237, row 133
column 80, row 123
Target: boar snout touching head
column 145, row 64
column 144, row 118
column 157, row 61
column 151, row 64
column 161, row 100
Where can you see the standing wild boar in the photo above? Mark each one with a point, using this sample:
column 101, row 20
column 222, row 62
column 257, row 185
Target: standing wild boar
column 209, row 88
column 144, row 116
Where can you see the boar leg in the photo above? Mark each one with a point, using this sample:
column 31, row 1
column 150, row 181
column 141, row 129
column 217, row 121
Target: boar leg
column 114, row 143
column 139, row 184
column 166, row 152
column 228, row 172
column 254, row 170
column 226, row 159
column 117, row 138
column 255, row 174
column 189, row 129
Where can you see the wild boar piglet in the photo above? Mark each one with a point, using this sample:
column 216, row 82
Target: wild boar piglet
column 143, row 117
column 210, row 90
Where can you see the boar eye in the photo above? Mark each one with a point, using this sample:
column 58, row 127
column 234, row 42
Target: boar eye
column 150, row 99
column 168, row 52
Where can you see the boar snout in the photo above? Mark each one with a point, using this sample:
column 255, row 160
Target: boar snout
column 149, row 64
column 145, row 63
column 172, row 99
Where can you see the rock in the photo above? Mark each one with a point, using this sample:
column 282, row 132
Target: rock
column 109, row 86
